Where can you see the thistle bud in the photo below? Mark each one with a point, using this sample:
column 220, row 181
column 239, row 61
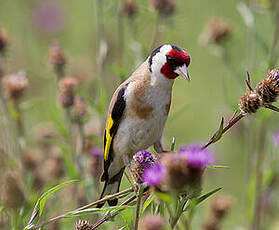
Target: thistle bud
column 177, row 172
column 211, row 225
column 14, row 85
column 220, row 206
column 12, row 195
column 82, row 225
column 54, row 226
column 44, row 132
column 250, row 102
column 152, row 222
column 79, row 110
column 142, row 161
column 164, row 7
column 129, row 8
column 216, row 30
column 32, row 158
column 57, row 59
column 268, row 88
column 4, row 40
column 67, row 91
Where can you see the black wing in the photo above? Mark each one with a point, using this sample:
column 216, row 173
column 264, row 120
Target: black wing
column 111, row 129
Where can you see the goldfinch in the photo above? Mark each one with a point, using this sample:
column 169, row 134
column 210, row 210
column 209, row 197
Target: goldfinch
column 138, row 112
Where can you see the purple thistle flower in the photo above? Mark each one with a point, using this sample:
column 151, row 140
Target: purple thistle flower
column 96, row 153
column 276, row 138
column 196, row 156
column 145, row 159
column 48, row 16
column 154, row 175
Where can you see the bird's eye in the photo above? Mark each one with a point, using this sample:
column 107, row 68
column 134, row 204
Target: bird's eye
column 171, row 61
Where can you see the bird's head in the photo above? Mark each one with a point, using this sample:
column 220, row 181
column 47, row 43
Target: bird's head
column 170, row 61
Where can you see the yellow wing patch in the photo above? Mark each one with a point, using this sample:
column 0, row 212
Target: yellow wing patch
column 108, row 138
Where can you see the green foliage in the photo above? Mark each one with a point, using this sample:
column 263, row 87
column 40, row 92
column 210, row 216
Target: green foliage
column 40, row 204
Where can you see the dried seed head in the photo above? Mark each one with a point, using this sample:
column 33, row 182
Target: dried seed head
column 211, row 225
column 79, row 110
column 32, row 158
column 250, row 102
column 67, row 91
column 54, row 226
column 130, row 8
column 142, row 161
column 14, row 85
column 82, row 225
column 164, row 7
column 44, row 132
column 152, row 222
column 4, row 40
column 220, row 206
column 49, row 169
column 57, row 59
column 12, row 195
column 216, row 30
column 268, row 88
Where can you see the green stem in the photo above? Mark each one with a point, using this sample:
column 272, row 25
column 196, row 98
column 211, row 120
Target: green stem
column 56, row 218
column 273, row 52
column 156, row 32
column 100, row 35
column 79, row 149
column 256, row 222
column 138, row 210
column 179, row 211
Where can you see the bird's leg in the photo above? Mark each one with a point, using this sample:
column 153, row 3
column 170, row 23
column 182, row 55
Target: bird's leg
column 128, row 165
column 159, row 147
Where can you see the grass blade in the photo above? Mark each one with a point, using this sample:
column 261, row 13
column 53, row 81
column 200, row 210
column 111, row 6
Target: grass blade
column 38, row 210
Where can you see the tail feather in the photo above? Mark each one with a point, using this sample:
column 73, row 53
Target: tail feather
column 111, row 187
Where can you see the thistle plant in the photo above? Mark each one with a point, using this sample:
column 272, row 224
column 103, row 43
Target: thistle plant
column 169, row 186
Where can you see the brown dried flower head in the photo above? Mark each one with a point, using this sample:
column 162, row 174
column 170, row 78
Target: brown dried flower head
column 220, row 206
column 164, row 7
column 32, row 158
column 216, row 30
column 152, row 222
column 82, row 225
column 51, row 168
column 67, row 91
column 4, row 40
column 211, row 225
column 54, row 226
column 129, row 8
column 250, row 102
column 57, row 58
column 12, row 195
column 268, row 88
column 14, row 85
column 44, row 132
column 79, row 110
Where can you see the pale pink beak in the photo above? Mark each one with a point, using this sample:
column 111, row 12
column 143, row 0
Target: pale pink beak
column 182, row 70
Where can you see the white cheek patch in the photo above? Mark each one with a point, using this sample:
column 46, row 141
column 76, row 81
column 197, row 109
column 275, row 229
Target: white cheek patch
column 160, row 58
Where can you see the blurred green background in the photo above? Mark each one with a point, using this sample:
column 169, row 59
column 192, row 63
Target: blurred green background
column 216, row 84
